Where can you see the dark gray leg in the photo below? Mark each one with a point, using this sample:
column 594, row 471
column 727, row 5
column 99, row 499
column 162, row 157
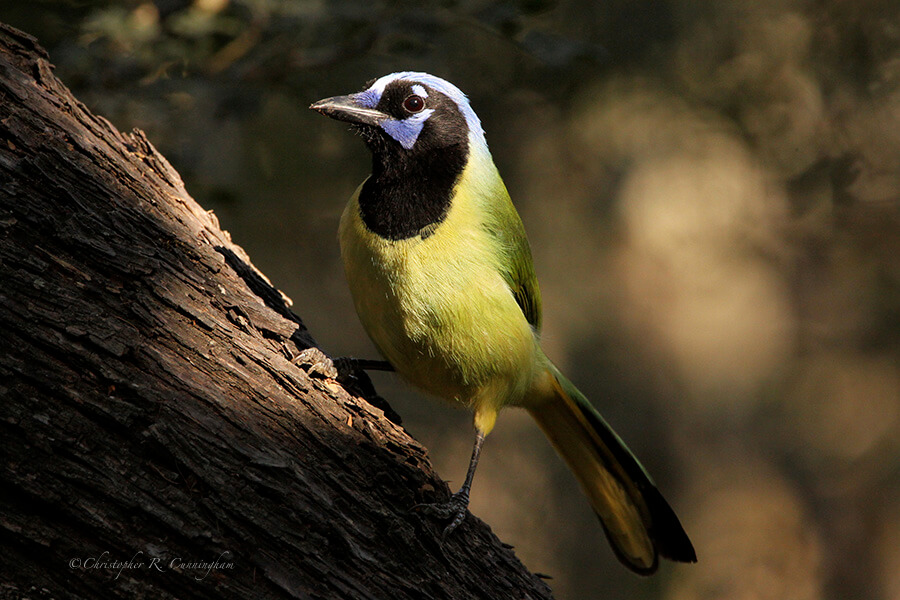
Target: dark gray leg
column 458, row 504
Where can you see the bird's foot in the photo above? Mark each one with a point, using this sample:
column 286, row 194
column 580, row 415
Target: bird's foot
column 316, row 363
column 456, row 509
column 350, row 373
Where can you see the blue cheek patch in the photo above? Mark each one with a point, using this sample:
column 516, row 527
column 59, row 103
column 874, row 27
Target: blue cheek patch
column 407, row 131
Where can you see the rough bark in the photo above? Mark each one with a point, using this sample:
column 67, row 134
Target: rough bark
column 150, row 408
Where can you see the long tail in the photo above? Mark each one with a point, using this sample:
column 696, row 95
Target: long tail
column 639, row 523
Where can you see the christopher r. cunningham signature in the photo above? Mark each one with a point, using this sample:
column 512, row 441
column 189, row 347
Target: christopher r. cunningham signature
column 104, row 562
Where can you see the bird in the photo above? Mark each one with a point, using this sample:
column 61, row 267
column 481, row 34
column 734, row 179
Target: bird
column 441, row 275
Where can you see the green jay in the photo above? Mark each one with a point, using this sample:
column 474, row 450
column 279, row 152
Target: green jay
column 441, row 275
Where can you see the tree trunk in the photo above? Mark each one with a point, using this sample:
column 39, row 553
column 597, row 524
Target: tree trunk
column 157, row 439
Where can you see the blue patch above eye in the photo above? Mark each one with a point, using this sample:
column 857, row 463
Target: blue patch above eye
column 406, row 131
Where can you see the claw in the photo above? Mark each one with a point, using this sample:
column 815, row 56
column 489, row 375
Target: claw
column 316, row 363
column 458, row 505
column 456, row 522
column 457, row 508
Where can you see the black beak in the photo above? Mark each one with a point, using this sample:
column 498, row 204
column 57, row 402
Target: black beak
column 348, row 108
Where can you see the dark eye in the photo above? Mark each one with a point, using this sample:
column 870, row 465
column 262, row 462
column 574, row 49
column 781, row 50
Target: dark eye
column 414, row 103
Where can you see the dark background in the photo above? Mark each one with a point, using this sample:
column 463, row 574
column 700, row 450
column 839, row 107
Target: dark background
column 711, row 193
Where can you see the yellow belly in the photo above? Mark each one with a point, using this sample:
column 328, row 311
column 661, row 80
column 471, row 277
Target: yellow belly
column 439, row 310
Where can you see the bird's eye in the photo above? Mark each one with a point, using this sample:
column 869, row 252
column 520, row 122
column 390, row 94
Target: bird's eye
column 414, row 103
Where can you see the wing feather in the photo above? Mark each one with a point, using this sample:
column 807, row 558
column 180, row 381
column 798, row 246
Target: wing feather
column 516, row 265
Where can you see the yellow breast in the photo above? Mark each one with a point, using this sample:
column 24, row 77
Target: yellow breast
column 437, row 306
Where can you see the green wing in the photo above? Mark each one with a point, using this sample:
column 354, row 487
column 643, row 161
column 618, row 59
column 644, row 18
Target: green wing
column 504, row 224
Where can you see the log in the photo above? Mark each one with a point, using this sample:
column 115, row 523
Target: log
column 159, row 439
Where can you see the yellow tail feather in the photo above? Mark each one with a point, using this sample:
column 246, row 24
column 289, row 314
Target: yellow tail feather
column 638, row 521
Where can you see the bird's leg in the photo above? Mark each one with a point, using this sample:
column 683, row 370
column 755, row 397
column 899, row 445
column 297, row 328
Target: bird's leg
column 348, row 363
column 350, row 373
column 318, row 363
column 458, row 504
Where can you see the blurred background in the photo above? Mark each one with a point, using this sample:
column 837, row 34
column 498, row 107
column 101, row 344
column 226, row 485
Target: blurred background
column 712, row 193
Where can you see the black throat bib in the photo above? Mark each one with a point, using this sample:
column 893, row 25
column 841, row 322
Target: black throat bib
column 400, row 201
column 412, row 189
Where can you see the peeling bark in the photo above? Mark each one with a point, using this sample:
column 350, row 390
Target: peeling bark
column 150, row 407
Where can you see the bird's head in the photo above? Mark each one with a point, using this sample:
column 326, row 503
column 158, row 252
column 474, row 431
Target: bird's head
column 423, row 136
column 406, row 115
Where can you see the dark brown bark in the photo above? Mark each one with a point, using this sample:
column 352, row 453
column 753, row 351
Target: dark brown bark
column 150, row 409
